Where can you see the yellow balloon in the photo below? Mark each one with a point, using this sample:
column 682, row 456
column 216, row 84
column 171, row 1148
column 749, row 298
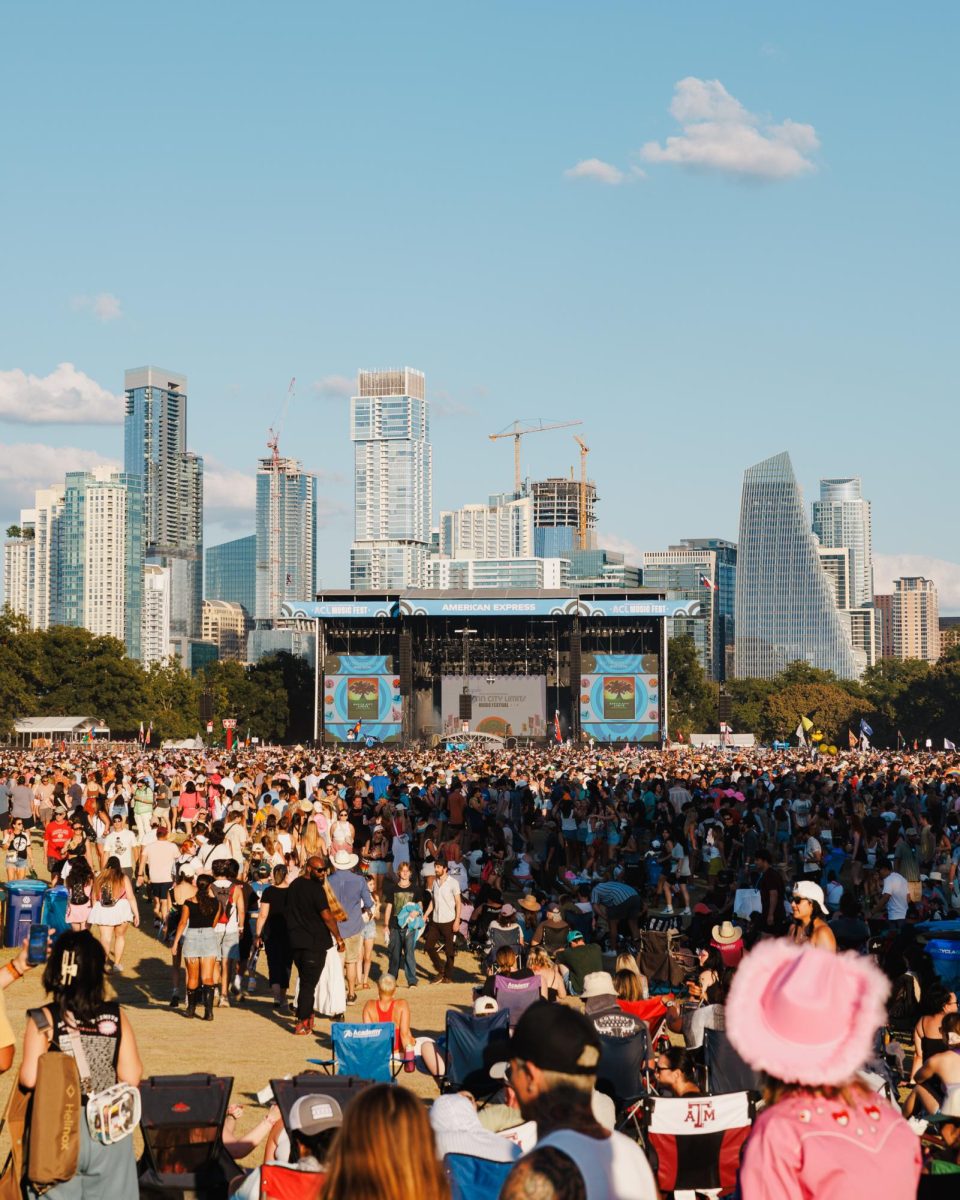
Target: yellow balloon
column 832, row 749
column 816, row 736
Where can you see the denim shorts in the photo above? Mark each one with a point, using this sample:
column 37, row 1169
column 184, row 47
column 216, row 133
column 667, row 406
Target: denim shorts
column 228, row 944
column 200, row 943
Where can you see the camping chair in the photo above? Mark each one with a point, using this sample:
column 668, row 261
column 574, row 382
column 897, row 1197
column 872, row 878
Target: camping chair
column 343, row 1088
column 622, row 1072
column 473, row 1178
column 503, row 937
column 694, row 1143
column 724, row 1069
column 364, row 1050
column 467, row 1038
column 278, row 1182
column 516, row 995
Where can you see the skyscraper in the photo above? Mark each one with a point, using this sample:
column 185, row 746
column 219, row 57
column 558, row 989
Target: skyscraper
column 693, row 571
column 393, row 480
column 47, row 510
column 286, row 561
column 500, row 529
column 785, row 606
column 155, row 448
column 556, row 515
column 155, row 644
column 99, row 560
column 911, row 619
column 841, row 519
column 230, row 572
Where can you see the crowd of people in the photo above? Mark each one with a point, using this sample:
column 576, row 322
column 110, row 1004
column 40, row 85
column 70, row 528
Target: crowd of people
column 670, row 900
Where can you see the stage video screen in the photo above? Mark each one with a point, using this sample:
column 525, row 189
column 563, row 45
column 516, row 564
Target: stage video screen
column 620, row 697
column 507, row 705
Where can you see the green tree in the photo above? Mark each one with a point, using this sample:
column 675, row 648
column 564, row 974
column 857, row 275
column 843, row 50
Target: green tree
column 172, row 701
column 748, row 697
column 831, row 708
column 693, row 698
column 18, row 650
column 78, row 673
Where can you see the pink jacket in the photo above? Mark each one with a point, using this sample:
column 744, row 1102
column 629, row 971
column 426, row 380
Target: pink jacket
column 807, row 1146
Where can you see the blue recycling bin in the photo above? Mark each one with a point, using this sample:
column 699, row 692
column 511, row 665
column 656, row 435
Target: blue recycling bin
column 24, row 908
column 945, row 953
column 55, row 909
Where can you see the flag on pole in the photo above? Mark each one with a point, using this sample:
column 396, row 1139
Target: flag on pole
column 851, row 739
column 915, row 744
column 806, row 723
column 355, row 731
column 708, row 583
column 149, row 732
column 799, row 735
column 948, row 745
column 556, row 726
column 140, row 734
column 865, row 728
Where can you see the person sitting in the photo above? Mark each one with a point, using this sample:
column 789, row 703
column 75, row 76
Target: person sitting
column 628, row 962
column 580, row 959
column 457, row 1129
column 848, row 926
column 540, row 963
column 943, row 1068
column 314, row 1122
column 505, row 965
column 601, row 1009
column 552, row 932
column 388, row 1008
column 928, row 1037
column 727, row 938
column 503, row 930
column 675, row 1073
column 809, row 908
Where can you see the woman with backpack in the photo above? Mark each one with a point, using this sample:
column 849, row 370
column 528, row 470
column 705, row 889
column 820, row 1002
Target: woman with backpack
column 80, row 887
column 114, row 907
column 201, row 943
column 81, row 1022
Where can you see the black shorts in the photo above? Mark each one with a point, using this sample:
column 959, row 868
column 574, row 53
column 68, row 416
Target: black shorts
column 160, row 891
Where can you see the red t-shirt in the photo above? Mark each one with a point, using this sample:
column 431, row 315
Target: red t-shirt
column 56, row 837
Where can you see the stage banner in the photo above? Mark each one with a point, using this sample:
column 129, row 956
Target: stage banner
column 361, row 688
column 620, row 697
column 507, row 705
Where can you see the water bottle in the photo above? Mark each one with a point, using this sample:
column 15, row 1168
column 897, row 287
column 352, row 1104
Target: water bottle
column 409, row 1063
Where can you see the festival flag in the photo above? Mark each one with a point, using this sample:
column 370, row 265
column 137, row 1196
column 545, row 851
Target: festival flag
column 355, row 731
column 851, row 739
column 799, row 735
column 806, row 723
column 146, row 741
column 708, row 583
column 915, row 744
column 556, row 726
column 140, row 734
column 948, row 745
column 865, row 728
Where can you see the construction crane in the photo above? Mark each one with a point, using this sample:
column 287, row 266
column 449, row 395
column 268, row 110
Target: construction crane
column 276, row 585
column 582, row 514
column 520, row 429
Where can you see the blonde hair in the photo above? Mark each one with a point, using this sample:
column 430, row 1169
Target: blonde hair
column 385, row 1150
column 538, row 957
column 387, row 983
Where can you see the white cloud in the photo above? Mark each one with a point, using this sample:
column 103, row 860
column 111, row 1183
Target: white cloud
column 596, row 168
column 336, row 387
column 27, row 466
column 630, row 551
column 719, row 134
column 64, row 397
column 229, row 495
column 105, row 306
column 945, row 574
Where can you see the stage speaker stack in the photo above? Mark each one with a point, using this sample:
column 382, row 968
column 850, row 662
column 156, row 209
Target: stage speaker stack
column 406, row 664
column 466, row 706
column 575, row 664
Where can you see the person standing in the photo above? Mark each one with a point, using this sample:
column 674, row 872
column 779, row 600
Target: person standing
column 311, row 930
column 354, row 896
column 402, row 939
column 156, row 862
column 272, row 934
column 114, row 907
column 119, row 843
column 443, row 915
column 56, row 837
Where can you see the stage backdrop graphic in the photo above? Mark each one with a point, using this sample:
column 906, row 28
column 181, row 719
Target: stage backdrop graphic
column 364, row 688
column 503, row 704
column 620, row 697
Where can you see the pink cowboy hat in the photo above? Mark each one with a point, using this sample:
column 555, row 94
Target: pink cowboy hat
column 805, row 1015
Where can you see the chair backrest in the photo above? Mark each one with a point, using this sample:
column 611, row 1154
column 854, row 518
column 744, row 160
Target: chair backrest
column 516, row 995
column 503, row 937
column 621, row 1067
column 467, row 1038
column 474, row 1178
column 726, row 1070
column 278, row 1182
column 695, row 1142
column 364, row 1050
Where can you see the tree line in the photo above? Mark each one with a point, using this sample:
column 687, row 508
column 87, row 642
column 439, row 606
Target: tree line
column 901, row 700
column 65, row 671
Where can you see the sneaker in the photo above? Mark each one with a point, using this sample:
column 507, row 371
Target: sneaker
column 222, row 1001
column 669, row 910
column 174, row 1001
column 686, row 913
column 118, row 968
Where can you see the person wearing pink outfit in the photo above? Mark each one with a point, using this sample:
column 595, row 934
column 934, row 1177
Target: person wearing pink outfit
column 807, row 1018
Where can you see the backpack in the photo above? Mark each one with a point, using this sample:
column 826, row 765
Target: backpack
column 106, row 896
column 225, row 901
column 78, row 895
column 53, row 1149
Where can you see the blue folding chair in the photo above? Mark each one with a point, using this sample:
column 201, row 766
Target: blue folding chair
column 467, row 1038
column 474, row 1178
column 362, row 1050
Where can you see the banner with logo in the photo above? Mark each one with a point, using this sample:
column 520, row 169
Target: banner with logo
column 361, row 690
column 507, row 705
column 620, row 697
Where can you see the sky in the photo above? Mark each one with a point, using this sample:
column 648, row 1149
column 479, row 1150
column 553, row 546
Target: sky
column 710, row 232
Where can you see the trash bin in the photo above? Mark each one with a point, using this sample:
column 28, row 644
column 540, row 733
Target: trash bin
column 24, row 908
column 55, row 909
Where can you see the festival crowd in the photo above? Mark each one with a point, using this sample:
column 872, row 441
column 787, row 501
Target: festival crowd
column 760, row 943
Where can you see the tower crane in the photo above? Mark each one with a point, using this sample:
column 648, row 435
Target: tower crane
column 582, row 514
column 519, row 429
column 276, row 588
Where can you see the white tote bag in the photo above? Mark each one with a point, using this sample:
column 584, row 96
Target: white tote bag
column 330, row 997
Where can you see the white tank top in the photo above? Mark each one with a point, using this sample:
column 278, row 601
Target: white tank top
column 613, row 1168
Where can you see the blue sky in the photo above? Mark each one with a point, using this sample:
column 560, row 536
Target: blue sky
column 712, row 232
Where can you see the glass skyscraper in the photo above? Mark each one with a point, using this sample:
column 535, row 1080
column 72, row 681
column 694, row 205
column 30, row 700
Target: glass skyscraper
column 231, row 572
column 785, row 605
column 155, row 448
column 286, row 537
column 841, row 518
column 393, row 480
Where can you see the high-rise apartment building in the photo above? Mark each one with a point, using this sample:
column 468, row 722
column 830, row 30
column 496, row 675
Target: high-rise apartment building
column 535, row 573
column 912, row 616
column 47, row 509
column 556, row 515
column 227, row 625
column 785, row 605
column 501, row 529
column 230, row 572
column 155, row 639
column 602, row 569
column 701, row 569
column 19, row 566
column 841, row 518
column 393, row 480
column 99, row 560
column 286, row 554
column 155, row 448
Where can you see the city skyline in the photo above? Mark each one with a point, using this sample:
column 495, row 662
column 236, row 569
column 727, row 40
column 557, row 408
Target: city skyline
column 570, row 252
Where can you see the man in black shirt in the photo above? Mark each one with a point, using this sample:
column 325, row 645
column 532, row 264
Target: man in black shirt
column 311, row 930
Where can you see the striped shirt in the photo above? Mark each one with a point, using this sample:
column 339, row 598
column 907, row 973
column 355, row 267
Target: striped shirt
column 611, row 894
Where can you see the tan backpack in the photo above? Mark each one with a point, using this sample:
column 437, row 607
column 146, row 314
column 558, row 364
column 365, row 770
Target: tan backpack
column 53, row 1139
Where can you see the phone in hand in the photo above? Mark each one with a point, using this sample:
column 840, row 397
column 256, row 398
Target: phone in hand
column 38, row 945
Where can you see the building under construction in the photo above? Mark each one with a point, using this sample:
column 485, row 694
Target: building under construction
column 286, row 564
column 557, row 515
